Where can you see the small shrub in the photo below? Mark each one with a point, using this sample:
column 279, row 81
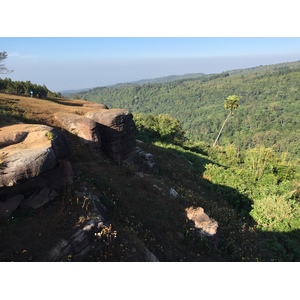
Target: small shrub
column 50, row 136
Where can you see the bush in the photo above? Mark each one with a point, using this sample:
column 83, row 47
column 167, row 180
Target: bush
column 161, row 127
column 267, row 179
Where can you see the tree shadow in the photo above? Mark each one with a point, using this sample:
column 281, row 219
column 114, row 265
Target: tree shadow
column 239, row 239
column 237, row 201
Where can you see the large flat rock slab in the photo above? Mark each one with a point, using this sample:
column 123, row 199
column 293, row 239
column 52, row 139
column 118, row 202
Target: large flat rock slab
column 28, row 150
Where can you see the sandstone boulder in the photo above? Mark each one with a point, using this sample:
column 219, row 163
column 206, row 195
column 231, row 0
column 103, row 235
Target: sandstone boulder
column 11, row 137
column 29, row 150
column 202, row 221
column 85, row 128
column 117, row 130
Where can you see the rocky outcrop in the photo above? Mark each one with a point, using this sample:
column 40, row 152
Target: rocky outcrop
column 85, row 128
column 28, row 154
column 29, row 150
column 96, row 233
column 35, row 156
column 79, row 245
column 112, row 130
column 146, row 158
column 117, row 130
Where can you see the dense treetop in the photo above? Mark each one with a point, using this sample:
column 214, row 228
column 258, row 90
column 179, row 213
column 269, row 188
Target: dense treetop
column 25, row 88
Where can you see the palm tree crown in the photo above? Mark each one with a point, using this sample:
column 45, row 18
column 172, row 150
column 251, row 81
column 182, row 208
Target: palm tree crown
column 231, row 103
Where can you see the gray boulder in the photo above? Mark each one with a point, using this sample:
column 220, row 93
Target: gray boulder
column 40, row 198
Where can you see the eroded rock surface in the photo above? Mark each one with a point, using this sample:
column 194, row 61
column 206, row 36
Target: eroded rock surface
column 117, row 130
column 29, row 153
column 86, row 129
column 34, row 154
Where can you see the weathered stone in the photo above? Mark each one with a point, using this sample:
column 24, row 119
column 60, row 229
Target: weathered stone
column 147, row 158
column 25, row 164
column 40, row 198
column 35, row 150
column 149, row 256
column 60, row 145
column 117, row 130
column 80, row 240
column 10, row 204
column 85, row 128
column 173, row 193
column 11, row 137
column 60, row 252
column 202, row 221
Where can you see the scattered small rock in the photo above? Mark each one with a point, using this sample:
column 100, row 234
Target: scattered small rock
column 40, row 198
column 202, row 221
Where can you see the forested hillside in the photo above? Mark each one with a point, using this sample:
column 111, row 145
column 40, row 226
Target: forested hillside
column 269, row 105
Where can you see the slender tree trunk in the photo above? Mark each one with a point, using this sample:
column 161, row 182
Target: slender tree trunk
column 221, row 129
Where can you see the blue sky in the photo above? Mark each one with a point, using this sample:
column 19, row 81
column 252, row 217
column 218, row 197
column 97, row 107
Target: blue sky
column 84, row 46
column 75, row 63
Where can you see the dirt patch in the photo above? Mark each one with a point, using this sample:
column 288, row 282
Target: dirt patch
column 38, row 110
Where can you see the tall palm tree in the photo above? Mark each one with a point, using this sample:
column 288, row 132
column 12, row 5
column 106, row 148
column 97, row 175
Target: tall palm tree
column 231, row 103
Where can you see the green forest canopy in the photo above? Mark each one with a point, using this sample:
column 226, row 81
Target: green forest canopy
column 269, row 113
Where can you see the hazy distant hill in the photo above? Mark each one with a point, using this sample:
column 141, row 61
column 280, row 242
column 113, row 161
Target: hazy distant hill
column 171, row 78
column 69, row 93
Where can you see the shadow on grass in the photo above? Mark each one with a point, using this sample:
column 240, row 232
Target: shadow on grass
column 239, row 239
column 192, row 168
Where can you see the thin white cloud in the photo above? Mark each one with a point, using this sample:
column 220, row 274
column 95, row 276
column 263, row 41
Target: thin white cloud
column 13, row 54
column 17, row 54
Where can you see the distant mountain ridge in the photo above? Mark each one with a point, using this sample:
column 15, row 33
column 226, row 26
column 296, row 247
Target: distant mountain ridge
column 164, row 79
column 171, row 78
column 188, row 76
